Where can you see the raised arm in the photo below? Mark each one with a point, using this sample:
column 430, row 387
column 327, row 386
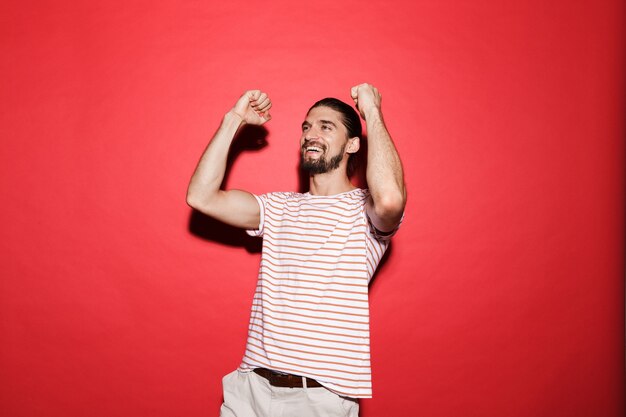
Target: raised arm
column 385, row 177
column 235, row 207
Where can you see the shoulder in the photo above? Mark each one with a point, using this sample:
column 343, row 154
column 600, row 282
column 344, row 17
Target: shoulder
column 358, row 196
column 280, row 197
column 285, row 195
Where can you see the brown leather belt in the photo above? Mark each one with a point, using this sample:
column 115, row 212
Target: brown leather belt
column 285, row 380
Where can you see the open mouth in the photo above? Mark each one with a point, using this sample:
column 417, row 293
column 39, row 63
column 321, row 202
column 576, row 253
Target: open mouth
column 313, row 149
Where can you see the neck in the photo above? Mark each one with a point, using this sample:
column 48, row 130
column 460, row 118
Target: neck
column 330, row 183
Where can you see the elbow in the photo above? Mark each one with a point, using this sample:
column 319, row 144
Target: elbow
column 202, row 201
column 192, row 201
column 391, row 205
column 195, row 201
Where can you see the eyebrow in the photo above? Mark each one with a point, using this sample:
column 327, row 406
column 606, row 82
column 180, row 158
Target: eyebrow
column 324, row 122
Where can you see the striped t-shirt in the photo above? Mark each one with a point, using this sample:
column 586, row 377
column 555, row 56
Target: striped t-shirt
column 310, row 312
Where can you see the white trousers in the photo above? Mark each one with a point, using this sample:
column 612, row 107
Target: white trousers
column 247, row 394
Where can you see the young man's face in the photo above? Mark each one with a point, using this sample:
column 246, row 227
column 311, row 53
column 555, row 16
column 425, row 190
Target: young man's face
column 323, row 142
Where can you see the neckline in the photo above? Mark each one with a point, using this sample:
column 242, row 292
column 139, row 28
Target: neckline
column 332, row 195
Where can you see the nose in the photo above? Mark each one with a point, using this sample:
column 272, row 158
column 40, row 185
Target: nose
column 312, row 136
column 311, row 133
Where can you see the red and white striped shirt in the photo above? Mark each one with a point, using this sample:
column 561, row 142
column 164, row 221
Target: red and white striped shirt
column 310, row 313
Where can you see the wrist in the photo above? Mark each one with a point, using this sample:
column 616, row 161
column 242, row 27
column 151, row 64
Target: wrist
column 232, row 117
column 373, row 114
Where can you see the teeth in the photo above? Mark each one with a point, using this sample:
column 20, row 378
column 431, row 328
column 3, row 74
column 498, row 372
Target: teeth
column 313, row 148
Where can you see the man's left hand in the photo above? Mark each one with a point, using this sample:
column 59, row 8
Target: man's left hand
column 367, row 99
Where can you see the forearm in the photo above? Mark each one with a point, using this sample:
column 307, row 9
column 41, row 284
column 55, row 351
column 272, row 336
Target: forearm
column 209, row 174
column 385, row 177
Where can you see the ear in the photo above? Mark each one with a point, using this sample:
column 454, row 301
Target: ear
column 353, row 145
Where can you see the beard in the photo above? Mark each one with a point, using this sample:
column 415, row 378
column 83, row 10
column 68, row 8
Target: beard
column 320, row 165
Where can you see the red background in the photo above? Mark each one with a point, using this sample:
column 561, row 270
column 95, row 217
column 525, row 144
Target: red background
column 503, row 293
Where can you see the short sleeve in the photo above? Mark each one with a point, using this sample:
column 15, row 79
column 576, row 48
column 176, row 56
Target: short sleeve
column 379, row 235
column 259, row 231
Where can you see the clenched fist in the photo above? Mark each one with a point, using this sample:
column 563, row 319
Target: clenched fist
column 366, row 98
column 253, row 107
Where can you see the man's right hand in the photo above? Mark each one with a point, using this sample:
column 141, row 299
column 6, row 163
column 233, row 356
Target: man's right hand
column 253, row 107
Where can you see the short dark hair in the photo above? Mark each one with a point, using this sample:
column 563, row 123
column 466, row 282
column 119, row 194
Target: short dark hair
column 350, row 119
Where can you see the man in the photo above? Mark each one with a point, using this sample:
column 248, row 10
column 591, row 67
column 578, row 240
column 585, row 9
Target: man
column 307, row 352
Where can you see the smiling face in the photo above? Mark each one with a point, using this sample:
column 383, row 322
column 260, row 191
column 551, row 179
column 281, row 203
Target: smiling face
column 324, row 142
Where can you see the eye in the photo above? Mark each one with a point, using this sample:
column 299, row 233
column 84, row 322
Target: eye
column 326, row 127
column 305, row 128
